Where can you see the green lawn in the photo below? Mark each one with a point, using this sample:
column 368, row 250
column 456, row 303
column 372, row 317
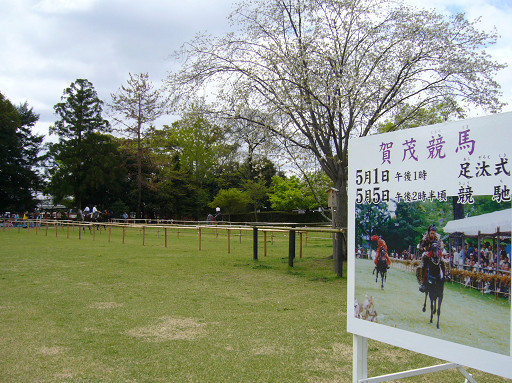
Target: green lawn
column 91, row 310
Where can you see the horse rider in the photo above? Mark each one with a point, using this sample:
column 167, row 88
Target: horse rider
column 430, row 244
column 382, row 249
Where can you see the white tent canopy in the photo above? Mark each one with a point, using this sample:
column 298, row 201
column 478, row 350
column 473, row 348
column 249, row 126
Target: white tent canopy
column 485, row 224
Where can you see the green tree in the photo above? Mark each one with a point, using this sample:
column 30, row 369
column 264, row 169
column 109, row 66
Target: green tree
column 135, row 107
column 254, row 138
column 101, row 172
column 200, row 148
column 229, row 175
column 19, row 157
column 410, row 223
column 484, row 205
column 105, row 179
column 231, row 201
column 256, row 169
column 291, row 193
column 371, row 219
column 257, row 191
column 74, row 170
column 171, row 190
column 334, row 69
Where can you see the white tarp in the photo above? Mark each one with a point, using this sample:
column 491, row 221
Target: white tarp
column 488, row 223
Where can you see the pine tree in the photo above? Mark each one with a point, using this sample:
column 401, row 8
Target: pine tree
column 19, row 157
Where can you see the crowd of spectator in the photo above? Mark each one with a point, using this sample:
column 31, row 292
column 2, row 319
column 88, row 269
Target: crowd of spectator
column 464, row 257
column 489, row 260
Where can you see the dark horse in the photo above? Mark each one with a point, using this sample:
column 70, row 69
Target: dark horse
column 96, row 218
column 381, row 268
column 434, row 282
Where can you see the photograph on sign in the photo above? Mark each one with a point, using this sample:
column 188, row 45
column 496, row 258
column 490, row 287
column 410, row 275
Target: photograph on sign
column 430, row 240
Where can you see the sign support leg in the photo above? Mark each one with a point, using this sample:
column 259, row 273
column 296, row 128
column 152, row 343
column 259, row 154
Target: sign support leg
column 360, row 366
column 360, row 358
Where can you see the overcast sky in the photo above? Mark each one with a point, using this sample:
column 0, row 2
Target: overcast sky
column 45, row 45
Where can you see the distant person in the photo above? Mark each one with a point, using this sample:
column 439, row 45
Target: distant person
column 218, row 215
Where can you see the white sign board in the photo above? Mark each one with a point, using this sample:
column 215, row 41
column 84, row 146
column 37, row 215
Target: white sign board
column 402, row 182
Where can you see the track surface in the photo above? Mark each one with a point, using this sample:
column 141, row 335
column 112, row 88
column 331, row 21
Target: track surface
column 466, row 318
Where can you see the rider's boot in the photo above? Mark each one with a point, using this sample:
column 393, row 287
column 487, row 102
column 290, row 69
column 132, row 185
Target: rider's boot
column 422, row 286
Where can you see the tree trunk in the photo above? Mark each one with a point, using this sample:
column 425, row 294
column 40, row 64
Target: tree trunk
column 340, row 222
column 139, row 174
column 458, row 209
column 458, row 213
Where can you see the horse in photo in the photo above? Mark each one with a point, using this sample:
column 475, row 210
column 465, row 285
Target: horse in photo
column 434, row 275
column 382, row 260
column 382, row 268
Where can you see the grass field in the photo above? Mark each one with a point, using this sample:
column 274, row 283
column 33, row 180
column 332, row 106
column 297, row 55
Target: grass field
column 94, row 310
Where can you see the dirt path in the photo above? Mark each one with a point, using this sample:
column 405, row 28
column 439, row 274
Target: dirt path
column 476, row 321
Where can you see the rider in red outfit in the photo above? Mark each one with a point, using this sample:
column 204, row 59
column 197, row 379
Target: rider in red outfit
column 381, row 245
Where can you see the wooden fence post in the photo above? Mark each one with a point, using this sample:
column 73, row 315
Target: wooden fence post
column 300, row 247
column 255, row 243
column 229, row 241
column 291, row 246
column 265, row 243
